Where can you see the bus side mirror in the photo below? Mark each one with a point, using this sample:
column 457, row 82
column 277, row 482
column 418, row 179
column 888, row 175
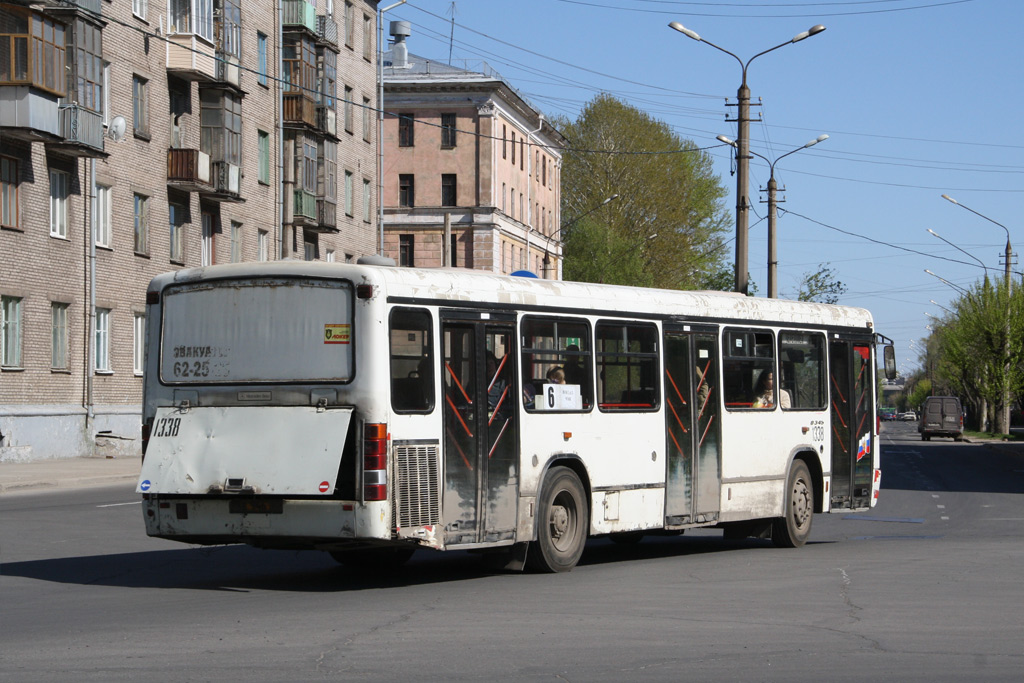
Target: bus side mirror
column 889, row 355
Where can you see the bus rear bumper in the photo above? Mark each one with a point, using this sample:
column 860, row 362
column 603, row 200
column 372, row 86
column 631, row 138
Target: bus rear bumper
column 265, row 522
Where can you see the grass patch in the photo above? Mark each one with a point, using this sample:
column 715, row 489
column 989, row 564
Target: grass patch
column 993, row 435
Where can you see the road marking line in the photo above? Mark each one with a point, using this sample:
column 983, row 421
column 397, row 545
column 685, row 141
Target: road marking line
column 114, row 505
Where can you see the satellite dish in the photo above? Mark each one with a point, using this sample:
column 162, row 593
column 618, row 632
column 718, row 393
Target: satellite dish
column 117, row 128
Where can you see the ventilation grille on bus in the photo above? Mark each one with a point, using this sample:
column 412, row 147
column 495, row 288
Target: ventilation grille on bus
column 417, row 487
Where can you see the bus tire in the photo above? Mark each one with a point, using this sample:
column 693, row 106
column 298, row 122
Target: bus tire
column 793, row 529
column 562, row 523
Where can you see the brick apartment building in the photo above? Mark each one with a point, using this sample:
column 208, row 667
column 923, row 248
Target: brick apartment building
column 145, row 136
column 471, row 169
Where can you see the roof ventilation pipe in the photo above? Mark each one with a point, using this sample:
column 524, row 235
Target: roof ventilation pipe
column 400, row 30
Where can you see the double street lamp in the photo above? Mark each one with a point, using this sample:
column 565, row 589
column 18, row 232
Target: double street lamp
column 743, row 143
column 773, row 262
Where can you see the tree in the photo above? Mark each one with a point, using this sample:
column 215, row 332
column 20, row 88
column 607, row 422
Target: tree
column 665, row 227
column 982, row 347
column 821, row 286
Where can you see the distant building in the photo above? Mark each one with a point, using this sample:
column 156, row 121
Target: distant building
column 461, row 143
column 145, row 136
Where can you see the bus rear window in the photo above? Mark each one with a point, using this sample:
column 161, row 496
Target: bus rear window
column 258, row 330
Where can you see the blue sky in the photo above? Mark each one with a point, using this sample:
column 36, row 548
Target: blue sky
column 919, row 97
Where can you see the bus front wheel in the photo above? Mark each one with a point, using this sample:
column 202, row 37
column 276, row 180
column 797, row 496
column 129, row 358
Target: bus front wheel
column 562, row 523
column 793, row 529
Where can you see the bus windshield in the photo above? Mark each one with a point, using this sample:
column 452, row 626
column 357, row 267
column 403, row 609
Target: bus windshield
column 257, row 330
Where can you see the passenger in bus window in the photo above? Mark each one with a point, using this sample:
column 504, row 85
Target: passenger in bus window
column 764, row 393
column 574, row 372
column 556, row 375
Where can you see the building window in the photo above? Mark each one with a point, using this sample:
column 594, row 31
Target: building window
column 406, row 255
column 58, row 204
column 349, row 190
column 330, row 256
column 367, row 119
column 447, row 130
column 10, row 332
column 454, row 246
column 406, row 190
column 405, row 130
column 309, row 251
column 367, row 37
column 261, row 58
column 85, row 70
column 236, row 241
column 367, row 201
column 513, row 148
column 140, row 106
column 139, row 343
column 176, row 216
column 106, row 93
column 522, row 152
column 102, row 340
column 298, row 59
column 263, row 141
column 192, row 16
column 262, row 250
column 58, row 336
column 139, row 8
column 329, row 159
column 349, row 114
column 350, row 29
column 207, row 256
column 32, row 50
column 544, row 171
column 448, row 193
column 103, row 217
column 229, row 27
column 221, row 125
column 504, row 142
column 512, row 202
column 328, row 94
column 141, row 219
column 8, row 192
column 504, row 191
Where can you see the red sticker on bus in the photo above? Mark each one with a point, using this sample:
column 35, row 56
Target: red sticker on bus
column 324, row 486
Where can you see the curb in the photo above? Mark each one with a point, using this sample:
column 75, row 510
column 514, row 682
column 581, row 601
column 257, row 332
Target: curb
column 65, row 483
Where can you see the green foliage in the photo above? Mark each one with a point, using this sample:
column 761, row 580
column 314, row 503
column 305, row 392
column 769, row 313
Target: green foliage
column 981, row 346
column 821, row 286
column 665, row 188
column 921, row 391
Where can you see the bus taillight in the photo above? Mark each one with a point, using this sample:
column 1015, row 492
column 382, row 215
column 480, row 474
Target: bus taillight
column 375, row 462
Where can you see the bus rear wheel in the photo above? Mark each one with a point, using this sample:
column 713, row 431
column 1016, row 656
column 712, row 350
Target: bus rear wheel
column 562, row 522
column 794, row 528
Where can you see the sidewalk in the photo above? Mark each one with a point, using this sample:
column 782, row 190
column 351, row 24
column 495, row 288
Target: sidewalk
column 68, row 473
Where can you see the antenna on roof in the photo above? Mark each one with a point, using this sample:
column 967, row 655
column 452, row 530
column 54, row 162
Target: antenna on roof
column 451, row 39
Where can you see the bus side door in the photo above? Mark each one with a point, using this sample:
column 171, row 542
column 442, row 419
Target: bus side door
column 692, row 425
column 481, row 431
column 853, row 422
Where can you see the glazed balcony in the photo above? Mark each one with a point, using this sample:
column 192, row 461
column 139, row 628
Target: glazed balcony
column 299, row 109
column 304, row 208
column 326, row 216
column 299, row 14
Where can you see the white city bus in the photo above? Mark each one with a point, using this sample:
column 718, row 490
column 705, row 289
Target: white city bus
column 369, row 411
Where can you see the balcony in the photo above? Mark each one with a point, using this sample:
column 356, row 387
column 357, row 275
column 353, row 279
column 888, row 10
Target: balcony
column 189, row 170
column 299, row 109
column 326, row 217
column 327, row 30
column 81, row 133
column 91, row 7
column 327, row 120
column 228, row 70
column 191, row 57
column 304, row 208
column 299, row 14
column 28, row 113
column 226, row 182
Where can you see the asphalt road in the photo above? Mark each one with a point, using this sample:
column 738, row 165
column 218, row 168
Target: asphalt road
column 925, row 587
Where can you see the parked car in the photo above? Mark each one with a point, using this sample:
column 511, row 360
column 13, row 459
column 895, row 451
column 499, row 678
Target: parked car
column 942, row 416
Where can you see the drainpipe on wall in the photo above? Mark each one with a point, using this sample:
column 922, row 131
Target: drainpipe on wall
column 279, row 104
column 90, row 342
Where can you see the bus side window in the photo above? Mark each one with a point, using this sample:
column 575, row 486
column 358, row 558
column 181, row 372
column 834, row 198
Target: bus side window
column 746, row 356
column 556, row 343
column 801, row 360
column 627, row 366
column 412, row 360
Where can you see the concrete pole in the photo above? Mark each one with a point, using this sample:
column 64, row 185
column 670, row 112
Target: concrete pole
column 742, row 183
column 773, row 262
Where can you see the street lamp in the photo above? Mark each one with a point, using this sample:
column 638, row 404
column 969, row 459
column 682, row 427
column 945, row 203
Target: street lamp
column 962, row 251
column 743, row 143
column 380, row 121
column 1005, row 416
column 956, row 287
column 773, row 262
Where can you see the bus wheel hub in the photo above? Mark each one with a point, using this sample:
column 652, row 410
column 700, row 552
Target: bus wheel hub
column 559, row 521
